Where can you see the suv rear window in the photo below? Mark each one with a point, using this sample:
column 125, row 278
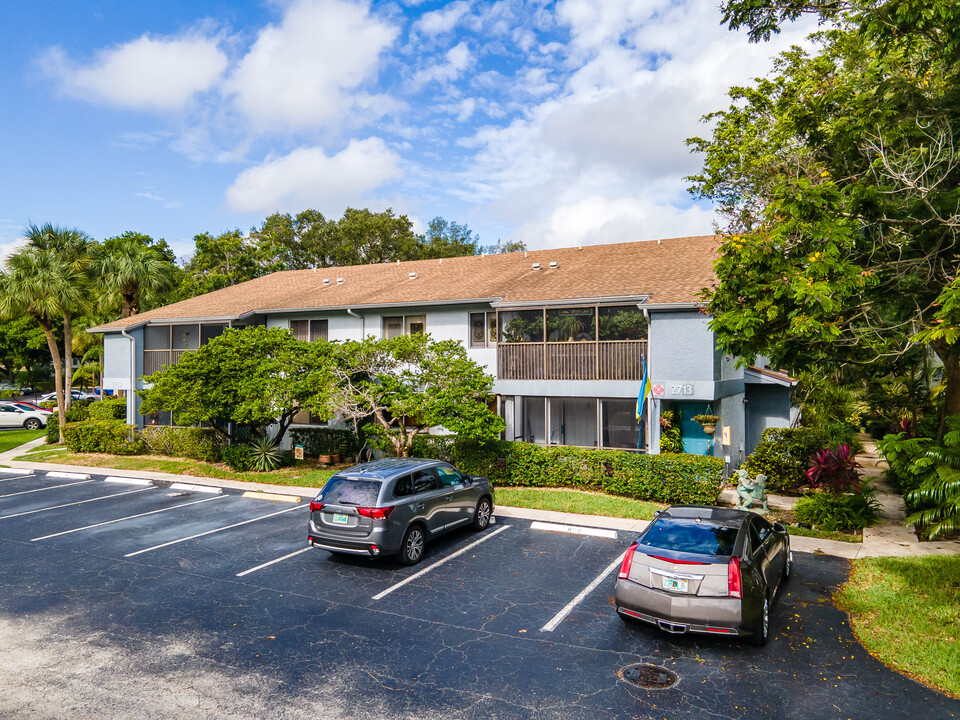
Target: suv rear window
column 350, row 491
column 683, row 535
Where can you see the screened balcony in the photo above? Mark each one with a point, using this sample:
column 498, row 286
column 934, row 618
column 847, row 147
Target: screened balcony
column 579, row 343
column 164, row 345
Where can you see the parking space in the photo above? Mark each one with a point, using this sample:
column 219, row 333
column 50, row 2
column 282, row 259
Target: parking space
column 516, row 621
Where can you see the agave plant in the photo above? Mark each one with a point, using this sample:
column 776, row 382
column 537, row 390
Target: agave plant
column 265, row 455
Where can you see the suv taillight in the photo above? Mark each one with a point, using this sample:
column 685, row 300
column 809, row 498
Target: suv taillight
column 733, row 578
column 314, row 506
column 627, row 562
column 376, row 513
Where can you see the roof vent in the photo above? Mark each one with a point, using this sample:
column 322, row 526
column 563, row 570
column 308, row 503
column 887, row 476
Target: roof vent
column 554, row 264
column 339, row 281
column 536, row 266
column 326, row 281
column 412, row 275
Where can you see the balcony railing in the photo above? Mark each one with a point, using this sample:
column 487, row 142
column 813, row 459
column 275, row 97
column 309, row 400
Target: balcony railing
column 604, row 360
column 154, row 360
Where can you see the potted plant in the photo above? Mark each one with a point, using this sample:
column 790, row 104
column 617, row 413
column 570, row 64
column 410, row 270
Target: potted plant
column 709, row 422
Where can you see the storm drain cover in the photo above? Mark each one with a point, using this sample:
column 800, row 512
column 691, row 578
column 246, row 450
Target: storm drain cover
column 652, row 677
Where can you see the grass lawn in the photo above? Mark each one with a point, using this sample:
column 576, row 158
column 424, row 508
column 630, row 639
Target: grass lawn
column 576, row 501
column 302, row 475
column 10, row 440
column 906, row 612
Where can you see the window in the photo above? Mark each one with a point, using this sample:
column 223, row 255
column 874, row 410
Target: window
column 305, row 417
column 403, row 487
column 449, row 477
column 483, row 329
column 521, row 326
column 570, row 324
column 424, row 480
column 309, row 330
column 623, row 322
column 397, row 325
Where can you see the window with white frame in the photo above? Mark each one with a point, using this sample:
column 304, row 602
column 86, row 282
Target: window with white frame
column 309, row 330
column 397, row 325
column 483, row 329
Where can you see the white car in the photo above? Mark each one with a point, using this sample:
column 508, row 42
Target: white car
column 75, row 394
column 13, row 416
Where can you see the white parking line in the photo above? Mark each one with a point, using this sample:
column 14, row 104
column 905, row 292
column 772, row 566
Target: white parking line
column 129, row 517
column 279, row 559
column 80, row 502
column 52, row 487
column 210, row 532
column 437, row 564
column 568, row 608
column 573, row 529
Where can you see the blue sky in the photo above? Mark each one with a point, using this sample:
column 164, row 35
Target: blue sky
column 555, row 123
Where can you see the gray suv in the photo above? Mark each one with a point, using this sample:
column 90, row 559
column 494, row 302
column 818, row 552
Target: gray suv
column 393, row 506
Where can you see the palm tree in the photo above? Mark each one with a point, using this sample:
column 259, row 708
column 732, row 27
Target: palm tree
column 132, row 272
column 38, row 283
column 73, row 248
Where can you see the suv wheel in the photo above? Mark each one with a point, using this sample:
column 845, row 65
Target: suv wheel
column 411, row 548
column 481, row 519
column 32, row 424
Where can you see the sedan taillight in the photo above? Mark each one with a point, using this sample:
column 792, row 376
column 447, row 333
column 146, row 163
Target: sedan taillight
column 381, row 513
column 733, row 578
column 314, row 506
column 627, row 562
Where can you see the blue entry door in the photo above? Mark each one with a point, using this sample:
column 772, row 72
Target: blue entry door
column 695, row 440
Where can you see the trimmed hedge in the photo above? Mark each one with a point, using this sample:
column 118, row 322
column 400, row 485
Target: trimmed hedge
column 672, row 479
column 783, row 455
column 109, row 409
column 190, row 442
column 103, row 436
column 324, row 441
column 78, row 412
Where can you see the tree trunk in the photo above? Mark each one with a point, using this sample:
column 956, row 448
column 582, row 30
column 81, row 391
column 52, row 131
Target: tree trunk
column 128, row 305
column 67, row 360
column 57, row 376
column 949, row 355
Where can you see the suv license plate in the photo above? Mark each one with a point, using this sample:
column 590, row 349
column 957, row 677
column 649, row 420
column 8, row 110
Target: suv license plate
column 340, row 519
column 675, row 584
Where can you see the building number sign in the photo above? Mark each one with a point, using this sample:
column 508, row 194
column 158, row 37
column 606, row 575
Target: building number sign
column 681, row 389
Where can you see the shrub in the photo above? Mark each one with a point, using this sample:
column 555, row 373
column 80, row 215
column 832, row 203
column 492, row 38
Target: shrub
column 783, row 455
column 266, row 455
column 109, row 409
column 674, row 479
column 238, row 457
column 834, row 470
column 7, row 394
column 671, row 434
column 852, row 510
column 190, row 442
column 103, row 436
column 77, row 413
column 325, row 441
column 902, row 455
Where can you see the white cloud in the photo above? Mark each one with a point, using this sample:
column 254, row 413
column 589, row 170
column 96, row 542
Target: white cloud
column 308, row 70
column 442, row 21
column 307, row 177
column 456, row 60
column 149, row 73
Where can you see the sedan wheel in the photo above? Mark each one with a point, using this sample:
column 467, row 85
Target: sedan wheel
column 411, row 549
column 482, row 518
column 759, row 637
column 788, row 566
column 32, row 424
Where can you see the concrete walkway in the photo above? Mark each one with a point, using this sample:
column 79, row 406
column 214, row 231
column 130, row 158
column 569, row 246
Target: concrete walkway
column 888, row 539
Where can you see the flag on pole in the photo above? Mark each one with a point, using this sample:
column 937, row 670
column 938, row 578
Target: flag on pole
column 645, row 388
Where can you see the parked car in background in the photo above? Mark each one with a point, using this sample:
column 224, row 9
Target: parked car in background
column 75, row 394
column 30, row 407
column 394, row 506
column 13, row 416
column 16, row 388
column 707, row 570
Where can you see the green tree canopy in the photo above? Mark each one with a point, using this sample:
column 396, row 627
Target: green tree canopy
column 407, row 384
column 256, row 377
column 838, row 176
column 133, row 273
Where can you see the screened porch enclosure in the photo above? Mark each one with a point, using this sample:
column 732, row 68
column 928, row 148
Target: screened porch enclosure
column 581, row 422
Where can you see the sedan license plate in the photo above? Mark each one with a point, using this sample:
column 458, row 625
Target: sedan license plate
column 675, row 584
column 340, row 519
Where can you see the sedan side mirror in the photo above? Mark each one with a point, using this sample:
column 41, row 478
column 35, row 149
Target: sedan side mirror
column 779, row 527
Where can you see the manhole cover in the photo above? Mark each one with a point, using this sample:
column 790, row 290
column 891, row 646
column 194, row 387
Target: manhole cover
column 652, row 677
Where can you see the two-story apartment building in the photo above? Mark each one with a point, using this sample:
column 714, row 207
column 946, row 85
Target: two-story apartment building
column 564, row 333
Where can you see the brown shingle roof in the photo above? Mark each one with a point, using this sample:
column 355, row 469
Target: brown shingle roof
column 668, row 271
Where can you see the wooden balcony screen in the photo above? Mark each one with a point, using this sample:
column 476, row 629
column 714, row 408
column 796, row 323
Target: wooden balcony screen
column 604, row 360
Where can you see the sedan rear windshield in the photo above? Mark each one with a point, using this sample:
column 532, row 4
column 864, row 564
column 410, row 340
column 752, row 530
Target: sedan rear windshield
column 349, row 491
column 683, row 535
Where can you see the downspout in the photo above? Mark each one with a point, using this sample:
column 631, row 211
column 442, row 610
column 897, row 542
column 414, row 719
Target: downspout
column 133, row 376
column 363, row 323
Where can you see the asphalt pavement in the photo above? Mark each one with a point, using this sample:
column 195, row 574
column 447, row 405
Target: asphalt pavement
column 123, row 600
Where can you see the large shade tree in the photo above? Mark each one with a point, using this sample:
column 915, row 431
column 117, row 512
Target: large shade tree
column 38, row 283
column 839, row 177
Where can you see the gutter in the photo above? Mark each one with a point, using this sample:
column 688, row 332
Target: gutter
column 502, row 304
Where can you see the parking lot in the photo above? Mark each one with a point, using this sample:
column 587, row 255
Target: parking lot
column 214, row 603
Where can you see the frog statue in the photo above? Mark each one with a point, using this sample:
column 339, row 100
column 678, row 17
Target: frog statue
column 751, row 491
